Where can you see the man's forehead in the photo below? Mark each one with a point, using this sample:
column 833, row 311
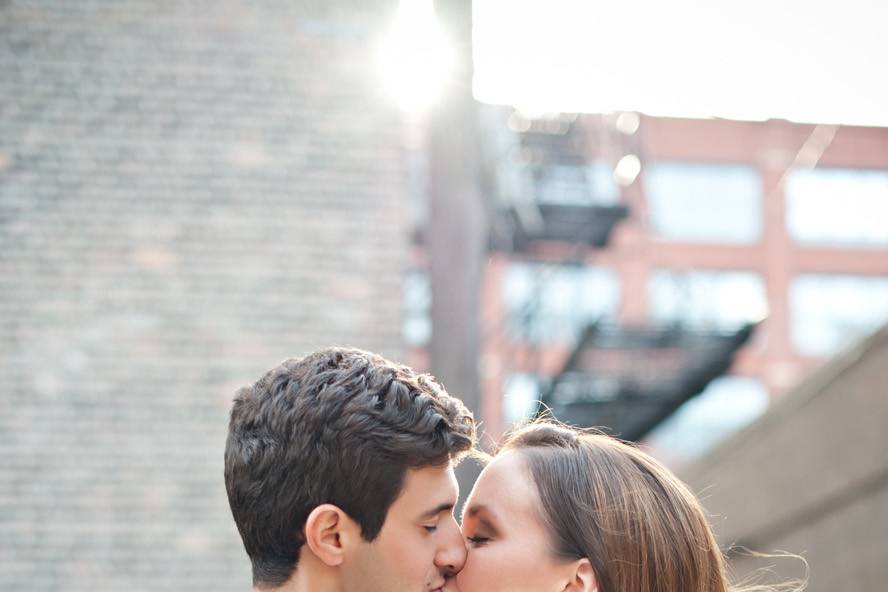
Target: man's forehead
column 428, row 490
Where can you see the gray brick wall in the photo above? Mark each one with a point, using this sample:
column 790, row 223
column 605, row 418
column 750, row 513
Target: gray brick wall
column 189, row 193
column 811, row 477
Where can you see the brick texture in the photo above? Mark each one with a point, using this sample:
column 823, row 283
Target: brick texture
column 189, row 193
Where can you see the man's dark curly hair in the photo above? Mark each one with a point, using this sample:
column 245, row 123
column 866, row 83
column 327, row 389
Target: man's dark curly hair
column 338, row 426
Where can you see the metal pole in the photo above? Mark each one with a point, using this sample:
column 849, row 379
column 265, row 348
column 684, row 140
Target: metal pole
column 457, row 225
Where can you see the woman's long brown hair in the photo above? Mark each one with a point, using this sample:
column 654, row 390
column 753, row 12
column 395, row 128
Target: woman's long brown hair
column 642, row 529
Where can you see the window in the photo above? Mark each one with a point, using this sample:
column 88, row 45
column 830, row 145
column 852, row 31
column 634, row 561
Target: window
column 830, row 312
column 725, row 406
column 555, row 302
column 716, row 299
column 417, row 327
column 586, row 185
column 521, row 397
column 838, row 207
column 704, row 202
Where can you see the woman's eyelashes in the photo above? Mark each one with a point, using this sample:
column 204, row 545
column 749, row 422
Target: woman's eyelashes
column 477, row 540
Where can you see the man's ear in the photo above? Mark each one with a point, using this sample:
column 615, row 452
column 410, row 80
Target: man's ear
column 329, row 532
column 582, row 577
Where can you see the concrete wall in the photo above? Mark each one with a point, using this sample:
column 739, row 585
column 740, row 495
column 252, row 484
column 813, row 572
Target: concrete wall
column 189, row 193
column 811, row 477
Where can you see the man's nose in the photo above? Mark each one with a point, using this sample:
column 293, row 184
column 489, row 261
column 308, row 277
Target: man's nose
column 452, row 555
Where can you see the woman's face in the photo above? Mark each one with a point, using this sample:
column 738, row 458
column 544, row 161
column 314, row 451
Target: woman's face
column 509, row 548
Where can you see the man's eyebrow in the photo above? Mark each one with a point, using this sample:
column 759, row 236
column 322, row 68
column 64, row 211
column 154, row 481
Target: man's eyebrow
column 442, row 507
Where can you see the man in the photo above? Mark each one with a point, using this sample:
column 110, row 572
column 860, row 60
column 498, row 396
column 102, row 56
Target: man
column 339, row 472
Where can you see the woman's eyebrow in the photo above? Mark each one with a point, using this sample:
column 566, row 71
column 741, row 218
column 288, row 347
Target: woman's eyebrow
column 483, row 514
column 474, row 509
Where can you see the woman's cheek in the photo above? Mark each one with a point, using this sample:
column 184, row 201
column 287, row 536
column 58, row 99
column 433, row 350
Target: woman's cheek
column 481, row 573
column 465, row 579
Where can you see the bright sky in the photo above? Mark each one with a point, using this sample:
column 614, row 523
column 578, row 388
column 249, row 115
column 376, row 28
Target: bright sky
column 803, row 60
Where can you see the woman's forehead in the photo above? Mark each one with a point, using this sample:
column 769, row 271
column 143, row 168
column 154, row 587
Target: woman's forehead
column 505, row 483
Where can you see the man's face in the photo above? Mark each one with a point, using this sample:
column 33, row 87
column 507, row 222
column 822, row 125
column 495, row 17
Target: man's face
column 420, row 545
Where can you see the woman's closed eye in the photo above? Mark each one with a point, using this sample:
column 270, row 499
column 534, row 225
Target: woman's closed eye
column 478, row 527
column 477, row 540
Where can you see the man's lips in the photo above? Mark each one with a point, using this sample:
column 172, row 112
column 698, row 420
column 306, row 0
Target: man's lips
column 449, row 585
column 442, row 585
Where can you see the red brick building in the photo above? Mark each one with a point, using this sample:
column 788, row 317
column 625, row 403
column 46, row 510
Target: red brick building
column 729, row 222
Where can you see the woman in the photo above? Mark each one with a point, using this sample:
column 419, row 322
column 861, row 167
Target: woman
column 558, row 510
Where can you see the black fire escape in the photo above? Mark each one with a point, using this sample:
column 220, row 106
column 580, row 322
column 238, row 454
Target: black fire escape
column 625, row 379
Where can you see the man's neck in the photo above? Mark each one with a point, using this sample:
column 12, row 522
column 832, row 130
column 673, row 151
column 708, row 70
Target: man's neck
column 309, row 577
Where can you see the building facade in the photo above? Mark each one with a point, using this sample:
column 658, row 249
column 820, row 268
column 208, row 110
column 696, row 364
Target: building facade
column 189, row 193
column 774, row 223
column 809, row 478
